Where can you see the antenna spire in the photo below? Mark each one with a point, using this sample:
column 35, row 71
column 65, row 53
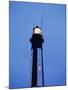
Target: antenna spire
column 41, row 22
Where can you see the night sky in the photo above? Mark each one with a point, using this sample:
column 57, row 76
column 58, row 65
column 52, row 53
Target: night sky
column 23, row 17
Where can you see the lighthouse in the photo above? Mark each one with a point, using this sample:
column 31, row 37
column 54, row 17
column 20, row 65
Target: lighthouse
column 37, row 74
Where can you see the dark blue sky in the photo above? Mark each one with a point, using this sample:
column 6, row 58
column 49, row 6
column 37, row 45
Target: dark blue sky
column 23, row 17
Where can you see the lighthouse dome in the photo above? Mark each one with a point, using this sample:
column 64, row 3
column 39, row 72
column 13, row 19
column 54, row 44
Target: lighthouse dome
column 36, row 30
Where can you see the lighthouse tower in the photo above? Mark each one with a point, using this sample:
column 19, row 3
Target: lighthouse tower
column 37, row 58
